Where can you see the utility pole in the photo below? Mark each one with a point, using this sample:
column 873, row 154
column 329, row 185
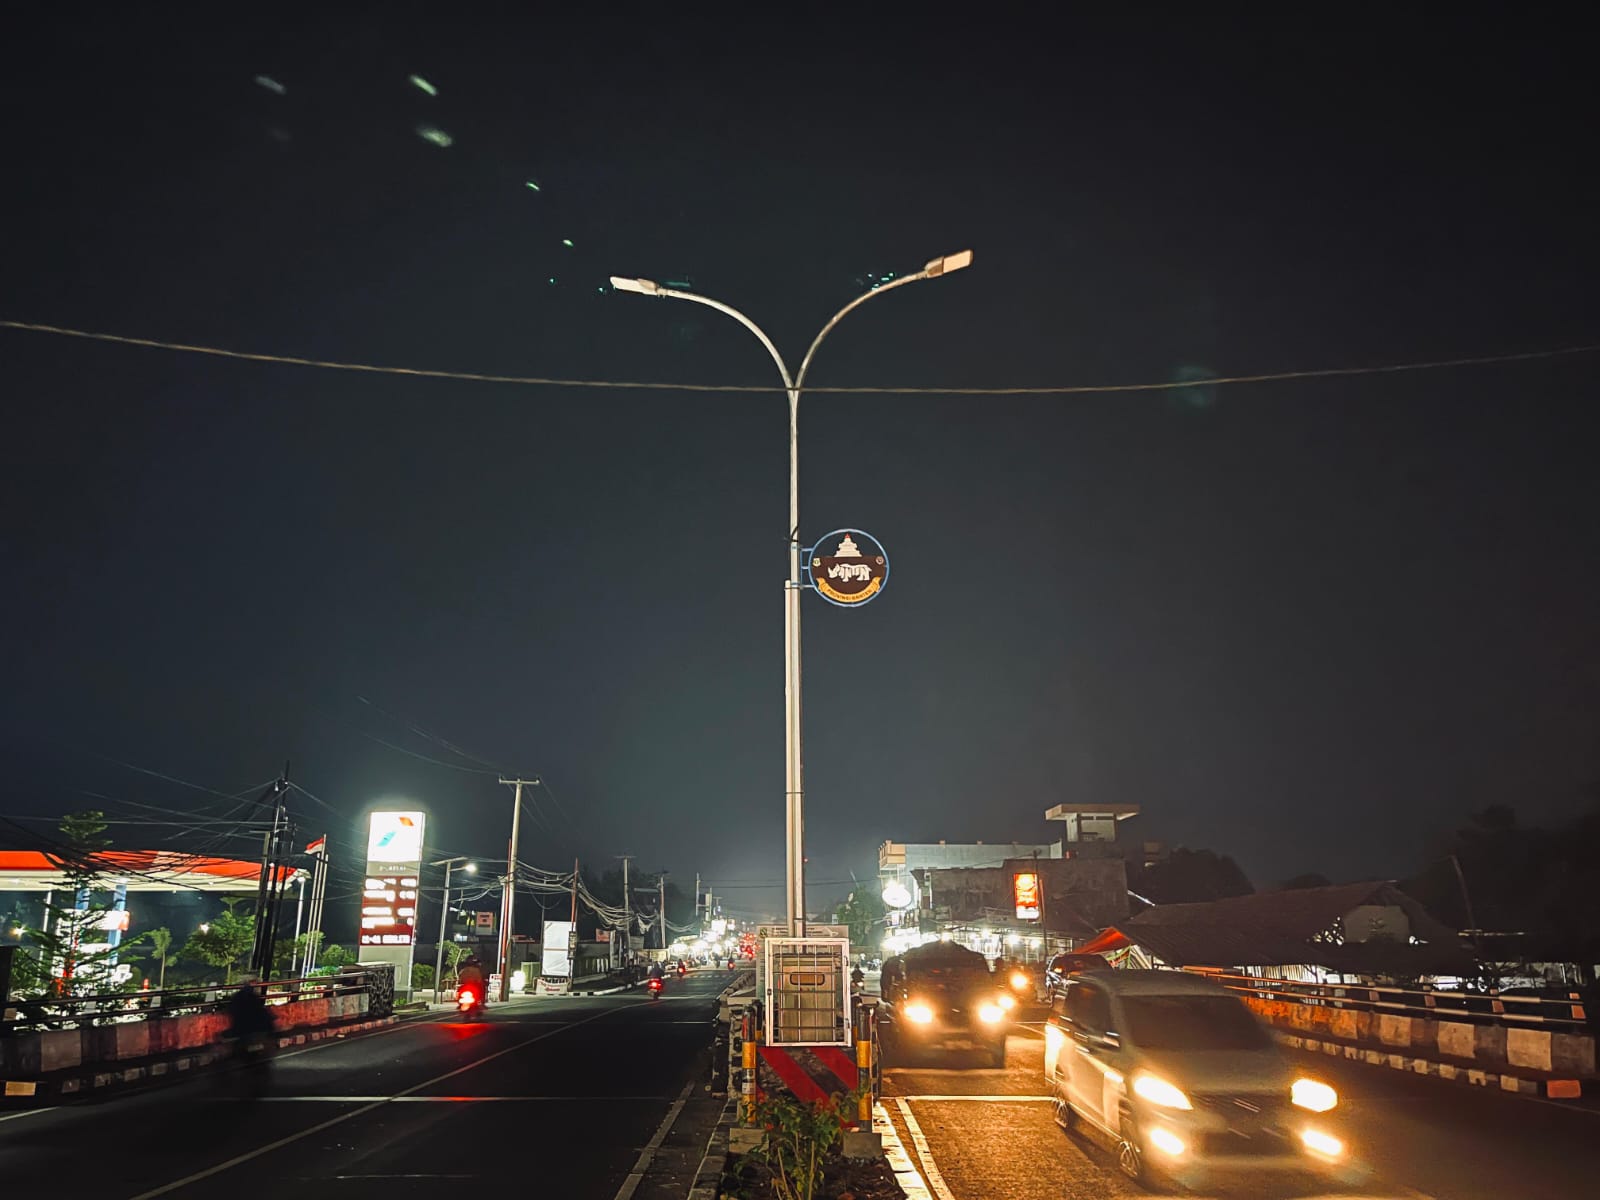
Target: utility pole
column 508, row 899
column 697, row 895
column 572, row 933
column 661, row 885
column 627, row 906
column 269, row 891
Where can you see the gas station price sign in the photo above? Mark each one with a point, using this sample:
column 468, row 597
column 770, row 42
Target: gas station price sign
column 389, row 909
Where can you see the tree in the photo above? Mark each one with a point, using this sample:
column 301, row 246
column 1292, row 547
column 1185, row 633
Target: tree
column 62, row 949
column 862, row 911
column 224, row 940
column 335, row 955
column 161, row 952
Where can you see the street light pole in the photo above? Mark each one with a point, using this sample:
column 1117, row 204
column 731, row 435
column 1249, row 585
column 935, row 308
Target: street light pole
column 444, row 915
column 794, row 771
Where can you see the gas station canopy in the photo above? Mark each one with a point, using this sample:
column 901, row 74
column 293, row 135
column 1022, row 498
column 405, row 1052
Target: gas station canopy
column 137, row 870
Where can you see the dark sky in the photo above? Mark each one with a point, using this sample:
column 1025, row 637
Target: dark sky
column 1310, row 624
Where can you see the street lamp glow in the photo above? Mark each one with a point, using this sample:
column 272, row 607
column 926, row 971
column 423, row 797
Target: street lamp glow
column 471, row 868
column 793, row 385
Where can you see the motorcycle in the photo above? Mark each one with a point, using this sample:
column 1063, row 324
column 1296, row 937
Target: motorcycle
column 654, row 987
column 683, row 971
column 469, row 1003
column 250, row 1060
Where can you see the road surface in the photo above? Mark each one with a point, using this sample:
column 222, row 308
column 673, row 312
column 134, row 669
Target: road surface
column 552, row 1097
column 981, row 1134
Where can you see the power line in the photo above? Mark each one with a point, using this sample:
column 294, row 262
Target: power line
column 646, row 385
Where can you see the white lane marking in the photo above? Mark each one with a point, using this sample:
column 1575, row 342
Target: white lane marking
column 929, row 1167
column 32, row 1112
column 356, row 1112
column 636, row 1176
column 905, row 1172
column 993, row 1099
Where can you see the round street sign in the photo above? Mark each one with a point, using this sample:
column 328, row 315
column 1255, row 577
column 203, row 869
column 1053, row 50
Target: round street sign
column 848, row 567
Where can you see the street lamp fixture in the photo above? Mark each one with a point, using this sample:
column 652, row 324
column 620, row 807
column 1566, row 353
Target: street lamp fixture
column 794, row 823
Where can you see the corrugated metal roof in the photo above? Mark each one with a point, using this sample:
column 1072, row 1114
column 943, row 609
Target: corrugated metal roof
column 1283, row 929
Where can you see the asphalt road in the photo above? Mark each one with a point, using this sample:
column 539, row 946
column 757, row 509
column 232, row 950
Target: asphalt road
column 989, row 1135
column 552, row 1096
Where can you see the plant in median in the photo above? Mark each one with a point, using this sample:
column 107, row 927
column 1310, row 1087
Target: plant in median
column 799, row 1136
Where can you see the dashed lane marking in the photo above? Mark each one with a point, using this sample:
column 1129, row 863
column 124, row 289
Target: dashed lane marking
column 930, row 1169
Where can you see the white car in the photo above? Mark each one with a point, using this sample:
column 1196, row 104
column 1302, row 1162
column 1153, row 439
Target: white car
column 1182, row 1079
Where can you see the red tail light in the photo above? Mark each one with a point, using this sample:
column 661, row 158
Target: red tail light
column 468, row 999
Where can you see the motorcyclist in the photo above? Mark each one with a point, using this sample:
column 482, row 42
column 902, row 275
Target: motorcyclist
column 471, row 976
column 248, row 1015
column 656, row 972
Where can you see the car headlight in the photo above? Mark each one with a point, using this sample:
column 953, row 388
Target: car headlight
column 919, row 1014
column 1019, row 980
column 990, row 1013
column 1005, row 1001
column 1321, row 1143
column 1160, row 1093
column 1309, row 1094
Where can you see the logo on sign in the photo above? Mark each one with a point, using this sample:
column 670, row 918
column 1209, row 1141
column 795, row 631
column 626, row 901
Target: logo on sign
column 848, row 567
column 1025, row 888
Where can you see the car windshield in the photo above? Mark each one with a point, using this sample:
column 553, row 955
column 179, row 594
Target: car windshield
column 1192, row 1023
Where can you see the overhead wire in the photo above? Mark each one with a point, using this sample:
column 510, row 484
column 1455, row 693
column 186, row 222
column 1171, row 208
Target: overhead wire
column 659, row 385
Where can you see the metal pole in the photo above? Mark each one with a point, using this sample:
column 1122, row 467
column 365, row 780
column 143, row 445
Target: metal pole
column 444, row 918
column 794, row 773
column 299, row 911
column 627, row 907
column 509, row 900
column 794, row 768
column 661, row 886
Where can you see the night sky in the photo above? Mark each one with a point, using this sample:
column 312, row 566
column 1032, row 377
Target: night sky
column 1311, row 624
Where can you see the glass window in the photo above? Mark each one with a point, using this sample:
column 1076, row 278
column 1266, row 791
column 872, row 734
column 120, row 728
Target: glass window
column 1088, row 1008
column 1193, row 1023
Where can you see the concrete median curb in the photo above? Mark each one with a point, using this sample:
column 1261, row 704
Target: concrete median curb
column 94, row 1083
column 708, row 1177
column 1551, row 1089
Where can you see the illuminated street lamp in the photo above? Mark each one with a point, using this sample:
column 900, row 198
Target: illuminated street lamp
column 444, row 913
column 794, row 825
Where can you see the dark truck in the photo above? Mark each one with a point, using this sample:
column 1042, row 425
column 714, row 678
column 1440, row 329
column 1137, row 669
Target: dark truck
column 942, row 997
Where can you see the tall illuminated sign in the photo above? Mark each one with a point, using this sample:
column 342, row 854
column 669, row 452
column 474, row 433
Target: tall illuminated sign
column 389, row 896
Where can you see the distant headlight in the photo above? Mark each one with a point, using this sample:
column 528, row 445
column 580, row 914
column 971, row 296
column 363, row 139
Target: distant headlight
column 1309, row 1094
column 1019, row 980
column 990, row 1013
column 1159, row 1092
column 1005, row 1001
column 919, row 1014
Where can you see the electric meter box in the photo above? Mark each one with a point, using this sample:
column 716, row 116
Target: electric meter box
column 806, row 990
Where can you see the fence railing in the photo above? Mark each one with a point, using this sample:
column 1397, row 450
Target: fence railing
column 26, row 1014
column 1563, row 1014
